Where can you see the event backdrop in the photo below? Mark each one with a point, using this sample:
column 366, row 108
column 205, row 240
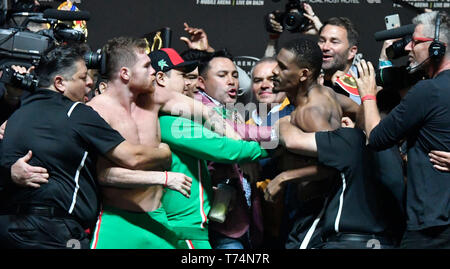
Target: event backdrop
column 237, row 24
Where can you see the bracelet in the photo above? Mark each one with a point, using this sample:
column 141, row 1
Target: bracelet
column 368, row 97
column 165, row 184
column 383, row 64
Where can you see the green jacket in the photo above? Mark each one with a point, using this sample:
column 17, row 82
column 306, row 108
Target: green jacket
column 191, row 145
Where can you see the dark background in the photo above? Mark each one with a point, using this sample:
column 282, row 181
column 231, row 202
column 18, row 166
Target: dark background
column 237, row 28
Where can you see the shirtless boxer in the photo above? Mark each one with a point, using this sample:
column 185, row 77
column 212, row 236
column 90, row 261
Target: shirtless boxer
column 131, row 106
column 317, row 109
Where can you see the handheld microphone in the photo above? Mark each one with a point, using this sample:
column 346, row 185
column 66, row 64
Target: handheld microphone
column 415, row 68
column 64, row 15
column 395, row 33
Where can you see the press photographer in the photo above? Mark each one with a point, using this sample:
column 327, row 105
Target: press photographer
column 298, row 17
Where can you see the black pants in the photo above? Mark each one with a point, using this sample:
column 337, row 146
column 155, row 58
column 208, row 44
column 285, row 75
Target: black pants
column 41, row 232
column 356, row 241
column 430, row 238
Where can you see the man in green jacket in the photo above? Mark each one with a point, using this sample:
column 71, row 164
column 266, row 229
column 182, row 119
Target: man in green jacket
column 191, row 145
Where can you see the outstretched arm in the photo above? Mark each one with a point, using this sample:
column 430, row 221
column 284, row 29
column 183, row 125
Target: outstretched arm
column 204, row 144
column 177, row 104
column 118, row 177
column 308, row 173
column 141, row 157
column 295, row 140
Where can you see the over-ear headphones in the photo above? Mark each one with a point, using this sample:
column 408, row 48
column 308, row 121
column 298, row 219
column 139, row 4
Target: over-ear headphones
column 437, row 49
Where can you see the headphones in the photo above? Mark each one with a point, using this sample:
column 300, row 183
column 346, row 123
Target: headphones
column 437, row 49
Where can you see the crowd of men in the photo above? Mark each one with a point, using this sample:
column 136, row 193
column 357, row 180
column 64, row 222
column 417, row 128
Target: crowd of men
column 157, row 154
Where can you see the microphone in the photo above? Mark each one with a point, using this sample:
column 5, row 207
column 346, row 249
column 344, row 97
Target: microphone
column 64, row 15
column 395, row 33
column 415, row 68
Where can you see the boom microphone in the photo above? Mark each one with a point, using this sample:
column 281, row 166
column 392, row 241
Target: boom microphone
column 395, row 33
column 415, row 68
column 64, row 15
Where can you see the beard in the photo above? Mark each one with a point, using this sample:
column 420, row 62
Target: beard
column 339, row 62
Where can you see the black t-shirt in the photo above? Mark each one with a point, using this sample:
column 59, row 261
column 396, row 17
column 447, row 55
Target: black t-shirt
column 65, row 138
column 5, row 109
column 370, row 197
column 423, row 117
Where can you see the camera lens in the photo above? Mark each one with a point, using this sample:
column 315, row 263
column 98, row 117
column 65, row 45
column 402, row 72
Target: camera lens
column 290, row 20
column 92, row 60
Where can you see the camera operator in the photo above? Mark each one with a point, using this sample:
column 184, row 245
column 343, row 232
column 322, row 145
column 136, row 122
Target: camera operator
column 66, row 137
column 423, row 117
column 275, row 27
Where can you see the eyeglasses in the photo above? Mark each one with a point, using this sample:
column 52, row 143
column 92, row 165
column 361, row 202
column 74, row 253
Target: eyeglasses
column 418, row 40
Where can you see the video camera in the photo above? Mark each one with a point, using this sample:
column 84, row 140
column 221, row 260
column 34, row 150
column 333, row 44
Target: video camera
column 96, row 60
column 397, row 77
column 161, row 38
column 23, row 47
column 292, row 19
column 21, row 81
column 397, row 49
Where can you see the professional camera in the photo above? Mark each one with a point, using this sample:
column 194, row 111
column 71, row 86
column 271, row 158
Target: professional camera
column 96, row 60
column 23, row 47
column 32, row 34
column 292, row 19
column 22, row 81
column 397, row 77
column 397, row 49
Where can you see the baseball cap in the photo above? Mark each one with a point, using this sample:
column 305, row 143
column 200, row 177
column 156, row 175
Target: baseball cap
column 166, row 59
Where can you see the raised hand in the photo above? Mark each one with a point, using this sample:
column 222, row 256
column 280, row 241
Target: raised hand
column 197, row 39
column 366, row 81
